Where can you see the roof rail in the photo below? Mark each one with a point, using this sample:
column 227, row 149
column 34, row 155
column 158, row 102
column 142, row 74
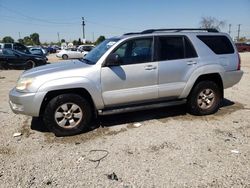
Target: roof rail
column 181, row 29
column 213, row 30
column 132, row 33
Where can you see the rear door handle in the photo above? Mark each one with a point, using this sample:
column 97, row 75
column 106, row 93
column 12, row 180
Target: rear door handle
column 150, row 67
column 191, row 62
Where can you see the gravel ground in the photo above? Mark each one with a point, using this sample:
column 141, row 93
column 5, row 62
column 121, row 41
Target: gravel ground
column 170, row 149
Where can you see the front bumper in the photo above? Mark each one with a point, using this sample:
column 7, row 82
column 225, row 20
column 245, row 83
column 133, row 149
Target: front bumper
column 26, row 103
column 59, row 55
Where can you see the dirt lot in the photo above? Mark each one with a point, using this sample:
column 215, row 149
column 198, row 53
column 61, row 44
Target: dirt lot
column 170, row 149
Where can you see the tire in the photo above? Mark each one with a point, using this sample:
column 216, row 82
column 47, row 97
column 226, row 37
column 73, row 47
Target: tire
column 30, row 64
column 204, row 99
column 64, row 56
column 67, row 114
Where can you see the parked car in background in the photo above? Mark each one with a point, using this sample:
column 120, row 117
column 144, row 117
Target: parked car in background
column 10, row 58
column 38, row 51
column 15, row 46
column 243, row 47
column 51, row 50
column 70, row 54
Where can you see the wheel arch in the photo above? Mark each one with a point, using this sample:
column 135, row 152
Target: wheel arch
column 79, row 91
column 215, row 76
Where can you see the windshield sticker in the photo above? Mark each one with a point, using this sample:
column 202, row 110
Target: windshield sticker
column 111, row 43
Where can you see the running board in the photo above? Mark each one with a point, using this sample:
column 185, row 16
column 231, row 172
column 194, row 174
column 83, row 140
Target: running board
column 140, row 107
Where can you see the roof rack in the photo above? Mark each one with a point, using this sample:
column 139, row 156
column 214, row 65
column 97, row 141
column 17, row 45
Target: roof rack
column 213, row 30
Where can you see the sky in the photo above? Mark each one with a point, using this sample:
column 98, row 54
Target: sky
column 20, row 18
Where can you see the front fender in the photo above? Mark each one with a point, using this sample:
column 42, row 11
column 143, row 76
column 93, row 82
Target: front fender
column 207, row 69
column 94, row 89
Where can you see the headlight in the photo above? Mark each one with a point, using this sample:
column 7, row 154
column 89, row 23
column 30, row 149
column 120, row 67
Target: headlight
column 24, row 83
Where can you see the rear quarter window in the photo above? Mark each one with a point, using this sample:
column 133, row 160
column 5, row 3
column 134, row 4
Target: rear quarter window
column 218, row 44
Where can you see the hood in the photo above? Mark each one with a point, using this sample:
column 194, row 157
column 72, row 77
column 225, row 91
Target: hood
column 54, row 68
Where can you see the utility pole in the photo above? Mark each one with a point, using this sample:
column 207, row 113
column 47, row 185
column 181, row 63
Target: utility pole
column 19, row 34
column 229, row 31
column 238, row 37
column 93, row 37
column 83, row 31
column 58, row 37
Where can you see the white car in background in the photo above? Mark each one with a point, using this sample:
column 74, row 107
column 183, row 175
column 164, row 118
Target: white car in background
column 70, row 54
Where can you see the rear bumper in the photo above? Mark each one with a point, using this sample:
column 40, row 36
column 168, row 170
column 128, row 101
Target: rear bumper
column 231, row 78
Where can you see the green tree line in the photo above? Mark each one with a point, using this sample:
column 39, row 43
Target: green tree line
column 34, row 40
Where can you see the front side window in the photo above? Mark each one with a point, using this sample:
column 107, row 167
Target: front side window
column 135, row 51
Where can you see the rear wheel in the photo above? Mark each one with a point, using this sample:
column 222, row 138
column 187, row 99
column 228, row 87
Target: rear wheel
column 64, row 56
column 205, row 98
column 30, row 64
column 67, row 114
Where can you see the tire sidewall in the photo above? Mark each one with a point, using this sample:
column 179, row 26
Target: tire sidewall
column 193, row 106
column 49, row 114
column 30, row 62
column 64, row 56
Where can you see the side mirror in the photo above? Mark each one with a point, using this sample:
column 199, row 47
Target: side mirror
column 113, row 60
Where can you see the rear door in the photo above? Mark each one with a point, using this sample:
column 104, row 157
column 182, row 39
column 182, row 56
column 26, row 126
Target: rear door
column 176, row 57
column 136, row 79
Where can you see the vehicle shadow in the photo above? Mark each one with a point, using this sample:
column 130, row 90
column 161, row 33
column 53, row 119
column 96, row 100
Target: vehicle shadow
column 131, row 117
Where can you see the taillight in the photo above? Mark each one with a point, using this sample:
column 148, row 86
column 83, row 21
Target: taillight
column 239, row 62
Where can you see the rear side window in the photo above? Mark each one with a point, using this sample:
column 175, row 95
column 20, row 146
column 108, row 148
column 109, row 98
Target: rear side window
column 218, row 44
column 171, row 48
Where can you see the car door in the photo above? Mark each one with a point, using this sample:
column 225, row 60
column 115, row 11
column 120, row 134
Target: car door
column 135, row 79
column 12, row 58
column 177, row 58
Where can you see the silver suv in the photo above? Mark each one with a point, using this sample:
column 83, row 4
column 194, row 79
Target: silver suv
column 136, row 71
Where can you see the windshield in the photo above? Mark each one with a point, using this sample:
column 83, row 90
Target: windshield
column 94, row 55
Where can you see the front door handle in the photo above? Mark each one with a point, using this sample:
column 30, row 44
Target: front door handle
column 150, row 67
column 191, row 62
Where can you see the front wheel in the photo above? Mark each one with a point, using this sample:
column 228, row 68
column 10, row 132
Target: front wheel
column 205, row 98
column 30, row 64
column 67, row 114
column 64, row 56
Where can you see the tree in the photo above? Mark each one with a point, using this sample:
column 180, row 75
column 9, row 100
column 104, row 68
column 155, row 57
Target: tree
column 242, row 39
column 35, row 38
column 27, row 41
column 63, row 40
column 79, row 41
column 211, row 22
column 8, row 39
column 99, row 40
column 21, row 41
column 75, row 42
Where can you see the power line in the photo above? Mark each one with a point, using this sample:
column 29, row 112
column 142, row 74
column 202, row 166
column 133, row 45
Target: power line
column 34, row 18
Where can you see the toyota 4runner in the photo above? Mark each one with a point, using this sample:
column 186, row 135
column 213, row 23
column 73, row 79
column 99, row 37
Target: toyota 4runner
column 136, row 71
